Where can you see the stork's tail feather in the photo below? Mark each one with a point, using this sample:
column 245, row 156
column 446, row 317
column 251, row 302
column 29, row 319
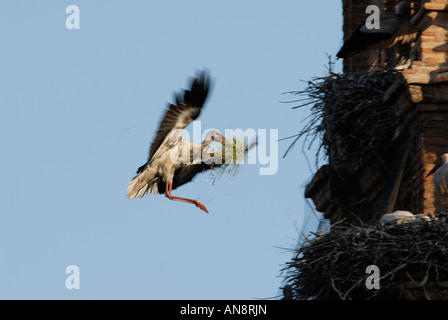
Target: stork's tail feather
column 143, row 183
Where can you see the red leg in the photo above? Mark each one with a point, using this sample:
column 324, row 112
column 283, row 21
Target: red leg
column 169, row 188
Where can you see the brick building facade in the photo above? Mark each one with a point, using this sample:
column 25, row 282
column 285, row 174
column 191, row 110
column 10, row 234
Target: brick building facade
column 420, row 101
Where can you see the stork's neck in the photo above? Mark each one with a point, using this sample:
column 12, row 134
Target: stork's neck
column 404, row 15
column 206, row 143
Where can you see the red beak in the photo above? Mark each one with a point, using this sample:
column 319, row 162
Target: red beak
column 437, row 166
column 223, row 140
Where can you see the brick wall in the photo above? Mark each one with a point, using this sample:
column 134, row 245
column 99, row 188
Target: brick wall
column 427, row 81
column 420, row 100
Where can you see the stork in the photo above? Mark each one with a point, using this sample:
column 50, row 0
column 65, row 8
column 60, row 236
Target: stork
column 440, row 179
column 393, row 28
column 167, row 166
column 401, row 216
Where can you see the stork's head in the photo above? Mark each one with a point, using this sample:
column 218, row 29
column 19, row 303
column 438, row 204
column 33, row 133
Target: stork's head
column 214, row 136
column 440, row 162
column 403, row 8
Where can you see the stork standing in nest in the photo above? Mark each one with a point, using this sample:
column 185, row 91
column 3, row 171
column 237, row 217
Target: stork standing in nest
column 393, row 28
column 172, row 160
column 440, row 179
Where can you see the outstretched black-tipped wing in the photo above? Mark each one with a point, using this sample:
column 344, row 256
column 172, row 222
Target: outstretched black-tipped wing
column 184, row 174
column 186, row 108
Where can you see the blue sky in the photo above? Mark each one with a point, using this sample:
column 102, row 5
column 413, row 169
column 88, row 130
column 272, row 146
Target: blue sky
column 79, row 109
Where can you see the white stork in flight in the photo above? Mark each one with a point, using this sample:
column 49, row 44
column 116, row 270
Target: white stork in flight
column 440, row 179
column 393, row 28
column 160, row 173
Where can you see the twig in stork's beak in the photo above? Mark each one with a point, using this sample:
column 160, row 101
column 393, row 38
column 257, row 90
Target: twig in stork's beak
column 437, row 166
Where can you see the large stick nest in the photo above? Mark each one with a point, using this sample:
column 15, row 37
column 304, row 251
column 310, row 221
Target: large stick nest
column 412, row 259
column 350, row 117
